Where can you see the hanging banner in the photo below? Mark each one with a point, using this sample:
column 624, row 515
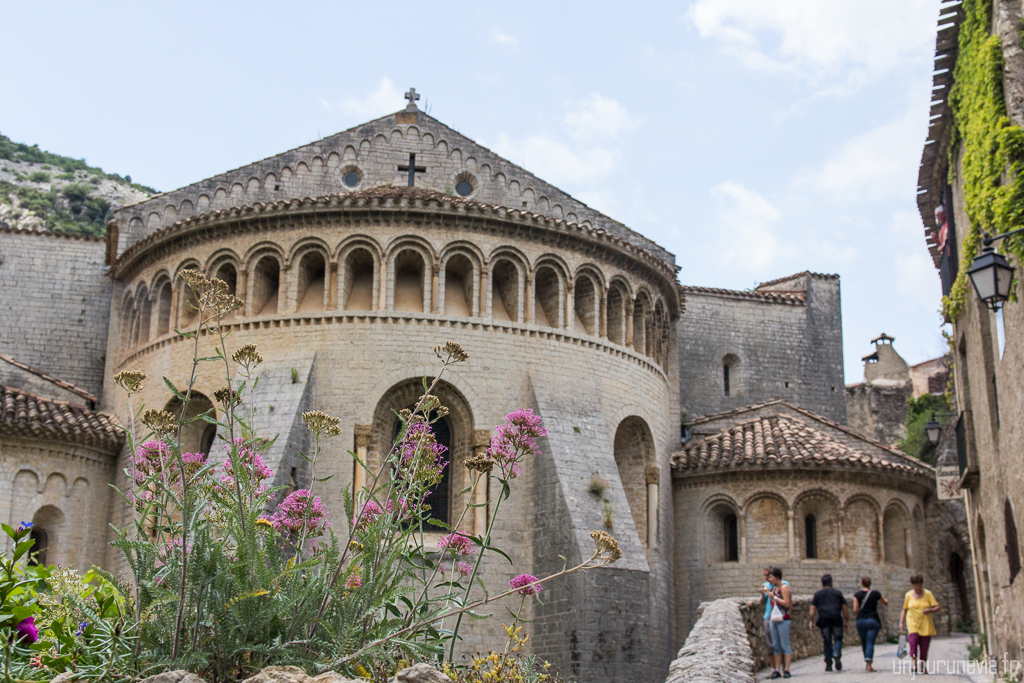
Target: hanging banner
column 948, row 481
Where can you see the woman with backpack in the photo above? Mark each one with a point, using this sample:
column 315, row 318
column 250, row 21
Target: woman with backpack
column 865, row 606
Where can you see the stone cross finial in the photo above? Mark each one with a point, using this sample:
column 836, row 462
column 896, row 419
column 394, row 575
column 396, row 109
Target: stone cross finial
column 412, row 96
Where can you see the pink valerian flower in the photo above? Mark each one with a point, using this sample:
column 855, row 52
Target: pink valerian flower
column 301, row 510
column 464, row 568
column 404, row 509
column 253, row 469
column 420, row 457
column 27, row 631
column 371, row 511
column 526, row 584
column 442, row 568
column 457, row 544
column 516, row 440
column 150, row 459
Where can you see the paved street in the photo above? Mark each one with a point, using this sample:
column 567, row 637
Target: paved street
column 947, row 654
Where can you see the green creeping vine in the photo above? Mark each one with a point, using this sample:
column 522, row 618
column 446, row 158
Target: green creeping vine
column 992, row 162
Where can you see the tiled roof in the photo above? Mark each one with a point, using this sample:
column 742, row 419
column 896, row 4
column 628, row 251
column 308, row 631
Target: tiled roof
column 396, row 198
column 89, row 398
column 793, row 298
column 781, row 441
column 24, row 414
column 4, row 228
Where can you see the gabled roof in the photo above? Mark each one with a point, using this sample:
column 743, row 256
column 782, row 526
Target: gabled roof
column 317, row 169
column 794, row 276
column 795, row 298
column 784, row 441
column 28, row 415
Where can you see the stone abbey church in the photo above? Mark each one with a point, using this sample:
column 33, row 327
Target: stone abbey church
column 716, row 418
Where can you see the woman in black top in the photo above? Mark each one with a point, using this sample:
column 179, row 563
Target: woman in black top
column 865, row 606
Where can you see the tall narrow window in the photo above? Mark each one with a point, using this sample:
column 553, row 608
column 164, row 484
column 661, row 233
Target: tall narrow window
column 725, row 378
column 1012, row 542
column 732, row 539
column 37, row 555
column 438, row 499
column 811, row 536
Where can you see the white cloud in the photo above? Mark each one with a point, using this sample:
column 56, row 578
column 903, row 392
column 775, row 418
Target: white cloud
column 876, row 165
column 745, row 228
column 598, row 117
column 584, row 154
column 851, row 43
column 385, row 99
column 501, row 38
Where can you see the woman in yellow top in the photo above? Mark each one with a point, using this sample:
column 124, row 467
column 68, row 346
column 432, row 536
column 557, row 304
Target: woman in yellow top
column 918, row 607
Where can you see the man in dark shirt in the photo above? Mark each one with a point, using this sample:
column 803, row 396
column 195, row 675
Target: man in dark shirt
column 832, row 614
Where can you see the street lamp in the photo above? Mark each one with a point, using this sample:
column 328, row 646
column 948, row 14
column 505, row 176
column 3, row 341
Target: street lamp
column 933, row 429
column 991, row 274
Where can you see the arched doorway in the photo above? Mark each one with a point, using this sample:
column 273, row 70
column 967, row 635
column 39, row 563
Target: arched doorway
column 634, row 451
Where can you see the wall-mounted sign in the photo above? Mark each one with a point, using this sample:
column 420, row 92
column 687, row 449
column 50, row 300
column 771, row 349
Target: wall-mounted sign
column 948, row 481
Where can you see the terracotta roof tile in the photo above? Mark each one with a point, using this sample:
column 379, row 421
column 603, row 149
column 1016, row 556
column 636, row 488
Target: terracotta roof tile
column 782, row 441
column 818, row 276
column 793, row 297
column 49, row 378
column 24, row 414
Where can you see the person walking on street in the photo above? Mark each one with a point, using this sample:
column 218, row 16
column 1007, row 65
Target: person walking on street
column 766, row 592
column 833, row 615
column 865, row 607
column 918, row 606
column 782, row 598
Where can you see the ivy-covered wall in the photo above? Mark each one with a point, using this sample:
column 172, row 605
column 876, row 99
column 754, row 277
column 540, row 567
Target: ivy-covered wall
column 990, row 149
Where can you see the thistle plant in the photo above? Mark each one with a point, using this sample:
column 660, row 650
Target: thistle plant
column 231, row 575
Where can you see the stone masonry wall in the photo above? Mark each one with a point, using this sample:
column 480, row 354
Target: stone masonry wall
column 55, row 305
column 783, row 348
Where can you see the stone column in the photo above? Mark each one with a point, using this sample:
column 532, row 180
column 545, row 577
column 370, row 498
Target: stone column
column 653, row 476
column 570, row 307
column 485, row 294
column 362, row 440
column 881, row 539
column 435, row 290
column 629, row 323
column 742, row 522
column 382, row 296
column 242, row 286
column 528, row 293
column 792, row 535
column 287, row 291
column 842, row 538
column 481, row 440
column 602, row 315
column 332, row 294
column 908, row 541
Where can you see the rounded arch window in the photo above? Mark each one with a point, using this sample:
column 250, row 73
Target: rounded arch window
column 438, row 499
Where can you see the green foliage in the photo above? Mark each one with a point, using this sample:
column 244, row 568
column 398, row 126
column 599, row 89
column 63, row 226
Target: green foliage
column 16, row 151
column 39, row 177
column 992, row 163
column 976, row 650
column 919, row 412
column 72, row 210
column 597, row 486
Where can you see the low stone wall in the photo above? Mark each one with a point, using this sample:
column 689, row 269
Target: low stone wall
column 728, row 644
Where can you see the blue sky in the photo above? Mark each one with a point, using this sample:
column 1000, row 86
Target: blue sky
column 752, row 138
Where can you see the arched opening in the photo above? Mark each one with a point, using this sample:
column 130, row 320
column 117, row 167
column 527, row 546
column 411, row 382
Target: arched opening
column 860, row 527
column 547, row 297
column 455, row 431
column 816, row 526
column 660, row 333
column 48, row 527
column 458, row 286
column 127, row 321
column 188, row 306
column 409, row 270
column 1012, row 541
column 730, row 375
column 894, row 531
column 266, row 284
column 585, row 303
column 207, row 440
column 310, row 295
column 194, row 435
column 135, row 327
column 958, row 577
column 359, row 281
column 723, row 533
column 37, row 554
column 810, row 537
column 439, row 498
column 633, row 450
column 616, row 314
column 641, row 310
column 145, row 317
column 228, row 274
column 505, row 291
column 163, row 310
